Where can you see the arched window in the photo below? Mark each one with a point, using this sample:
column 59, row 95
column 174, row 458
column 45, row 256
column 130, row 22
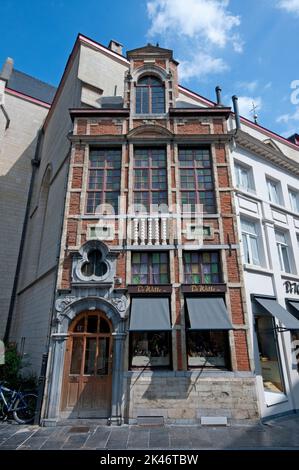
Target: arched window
column 150, row 95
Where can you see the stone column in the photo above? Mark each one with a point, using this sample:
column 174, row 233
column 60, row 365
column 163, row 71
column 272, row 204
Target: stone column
column 117, row 378
column 55, row 376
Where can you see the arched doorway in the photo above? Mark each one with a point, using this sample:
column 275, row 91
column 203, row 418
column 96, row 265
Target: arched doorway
column 87, row 380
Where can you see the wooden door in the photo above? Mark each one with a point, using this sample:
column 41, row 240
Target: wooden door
column 87, row 372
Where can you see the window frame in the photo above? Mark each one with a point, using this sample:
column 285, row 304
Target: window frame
column 201, row 264
column 293, row 192
column 249, row 174
column 249, row 236
column 280, row 246
column 150, row 191
column 104, row 169
column 150, row 275
column 276, row 185
column 227, row 351
column 192, row 166
column 169, row 366
column 149, row 96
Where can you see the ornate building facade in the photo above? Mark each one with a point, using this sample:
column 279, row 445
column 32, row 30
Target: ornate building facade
column 132, row 280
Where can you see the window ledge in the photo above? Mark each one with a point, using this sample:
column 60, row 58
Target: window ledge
column 259, row 269
column 150, row 116
column 289, row 276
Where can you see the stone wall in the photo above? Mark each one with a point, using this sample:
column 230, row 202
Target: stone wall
column 184, row 397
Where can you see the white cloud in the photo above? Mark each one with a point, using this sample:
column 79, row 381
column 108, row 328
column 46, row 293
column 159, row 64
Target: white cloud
column 201, row 65
column 246, row 105
column 248, row 86
column 198, row 29
column 291, row 6
column 286, row 118
column 208, row 19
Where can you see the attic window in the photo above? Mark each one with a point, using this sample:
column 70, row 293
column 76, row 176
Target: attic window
column 150, row 96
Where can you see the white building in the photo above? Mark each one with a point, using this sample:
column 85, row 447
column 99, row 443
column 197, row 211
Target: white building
column 266, row 171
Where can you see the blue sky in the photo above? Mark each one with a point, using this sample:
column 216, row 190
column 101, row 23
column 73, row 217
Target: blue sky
column 249, row 47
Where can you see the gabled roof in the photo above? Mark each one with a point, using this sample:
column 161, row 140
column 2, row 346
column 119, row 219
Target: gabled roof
column 30, row 86
column 151, row 51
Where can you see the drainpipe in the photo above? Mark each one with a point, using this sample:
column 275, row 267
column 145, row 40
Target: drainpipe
column 236, row 111
column 218, row 95
column 35, row 164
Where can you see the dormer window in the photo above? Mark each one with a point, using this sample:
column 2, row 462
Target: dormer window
column 150, row 96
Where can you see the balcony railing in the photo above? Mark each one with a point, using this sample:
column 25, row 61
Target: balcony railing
column 146, row 230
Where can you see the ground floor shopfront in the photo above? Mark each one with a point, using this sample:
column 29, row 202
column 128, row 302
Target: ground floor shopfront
column 275, row 337
column 122, row 357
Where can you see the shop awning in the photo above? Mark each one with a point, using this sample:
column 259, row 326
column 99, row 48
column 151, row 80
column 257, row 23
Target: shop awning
column 296, row 307
column 208, row 313
column 276, row 310
column 150, row 314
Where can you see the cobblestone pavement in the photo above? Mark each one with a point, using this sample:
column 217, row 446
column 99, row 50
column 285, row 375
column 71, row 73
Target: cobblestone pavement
column 280, row 433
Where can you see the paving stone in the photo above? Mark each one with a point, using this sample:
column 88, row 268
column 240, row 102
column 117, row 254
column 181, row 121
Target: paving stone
column 118, row 438
column 138, row 439
column 98, row 439
column 15, row 441
column 34, row 443
column 75, row 441
column 159, row 439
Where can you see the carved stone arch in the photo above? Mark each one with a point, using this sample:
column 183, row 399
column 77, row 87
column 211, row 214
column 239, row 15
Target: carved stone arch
column 154, row 70
column 150, row 130
column 74, row 309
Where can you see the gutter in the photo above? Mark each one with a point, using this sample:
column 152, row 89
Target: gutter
column 35, row 164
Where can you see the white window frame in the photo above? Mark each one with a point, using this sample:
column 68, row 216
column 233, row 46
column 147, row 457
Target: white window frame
column 275, row 184
column 294, row 199
column 280, row 246
column 249, row 236
column 239, row 167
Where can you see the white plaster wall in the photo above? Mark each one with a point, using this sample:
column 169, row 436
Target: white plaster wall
column 268, row 280
column 98, row 69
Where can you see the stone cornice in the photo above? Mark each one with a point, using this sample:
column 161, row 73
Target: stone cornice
column 113, row 139
column 245, row 140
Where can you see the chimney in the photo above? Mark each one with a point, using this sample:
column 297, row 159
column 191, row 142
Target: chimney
column 218, row 95
column 116, row 47
column 236, row 111
column 7, row 69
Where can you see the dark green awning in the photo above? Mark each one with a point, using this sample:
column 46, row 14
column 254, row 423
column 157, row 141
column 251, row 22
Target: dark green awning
column 208, row 313
column 150, row 314
column 276, row 310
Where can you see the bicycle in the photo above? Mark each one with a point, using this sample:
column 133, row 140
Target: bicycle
column 18, row 404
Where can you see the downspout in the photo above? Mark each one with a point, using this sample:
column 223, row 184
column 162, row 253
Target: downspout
column 35, row 164
column 6, row 116
column 43, row 384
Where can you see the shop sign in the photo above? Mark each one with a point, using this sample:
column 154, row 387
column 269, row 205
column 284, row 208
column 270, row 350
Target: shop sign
column 203, row 288
column 291, row 287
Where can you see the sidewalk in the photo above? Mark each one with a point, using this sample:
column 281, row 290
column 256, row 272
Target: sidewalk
column 280, row 433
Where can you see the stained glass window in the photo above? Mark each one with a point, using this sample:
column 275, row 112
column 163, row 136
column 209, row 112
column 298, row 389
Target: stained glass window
column 202, row 267
column 150, row 268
